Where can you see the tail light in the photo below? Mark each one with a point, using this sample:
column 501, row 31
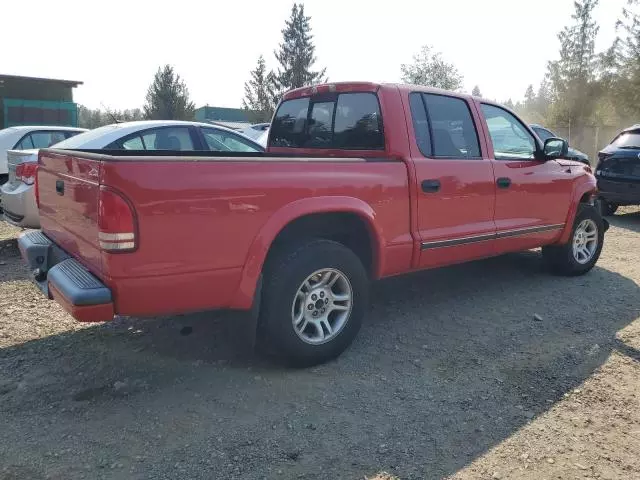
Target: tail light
column 116, row 222
column 26, row 173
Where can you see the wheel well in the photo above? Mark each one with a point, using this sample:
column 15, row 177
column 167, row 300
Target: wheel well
column 586, row 198
column 349, row 229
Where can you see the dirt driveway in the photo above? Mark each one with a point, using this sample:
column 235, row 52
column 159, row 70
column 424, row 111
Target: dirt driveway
column 451, row 376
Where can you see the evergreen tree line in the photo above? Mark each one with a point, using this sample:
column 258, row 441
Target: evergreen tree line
column 583, row 93
column 586, row 88
column 586, row 96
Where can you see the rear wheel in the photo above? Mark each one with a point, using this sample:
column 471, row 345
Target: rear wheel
column 583, row 250
column 314, row 299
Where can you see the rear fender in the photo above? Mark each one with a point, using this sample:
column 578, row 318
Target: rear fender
column 583, row 188
column 244, row 298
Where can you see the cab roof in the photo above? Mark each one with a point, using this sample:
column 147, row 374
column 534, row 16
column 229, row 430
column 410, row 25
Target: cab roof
column 343, row 87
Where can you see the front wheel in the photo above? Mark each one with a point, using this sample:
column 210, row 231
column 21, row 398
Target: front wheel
column 314, row 298
column 583, row 250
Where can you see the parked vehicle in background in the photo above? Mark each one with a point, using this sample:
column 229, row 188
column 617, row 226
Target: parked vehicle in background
column 573, row 154
column 262, row 139
column 18, row 196
column 254, row 131
column 26, row 137
column 360, row 181
column 618, row 171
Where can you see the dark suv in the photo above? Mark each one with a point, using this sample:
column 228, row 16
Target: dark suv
column 618, row 171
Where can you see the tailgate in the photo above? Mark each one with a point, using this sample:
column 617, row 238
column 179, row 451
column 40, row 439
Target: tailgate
column 68, row 188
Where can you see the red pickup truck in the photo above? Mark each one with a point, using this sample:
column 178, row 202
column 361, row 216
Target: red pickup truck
column 360, row 181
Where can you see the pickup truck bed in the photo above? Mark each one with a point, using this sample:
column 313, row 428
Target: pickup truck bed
column 361, row 181
column 176, row 200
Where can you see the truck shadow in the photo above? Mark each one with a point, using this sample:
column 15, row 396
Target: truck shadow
column 449, row 363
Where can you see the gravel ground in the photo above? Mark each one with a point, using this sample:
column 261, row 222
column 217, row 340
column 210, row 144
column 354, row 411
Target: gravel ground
column 452, row 376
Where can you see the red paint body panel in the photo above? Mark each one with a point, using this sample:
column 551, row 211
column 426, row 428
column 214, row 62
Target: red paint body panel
column 205, row 224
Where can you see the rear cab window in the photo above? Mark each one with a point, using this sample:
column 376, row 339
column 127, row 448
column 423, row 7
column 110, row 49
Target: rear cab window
column 347, row 121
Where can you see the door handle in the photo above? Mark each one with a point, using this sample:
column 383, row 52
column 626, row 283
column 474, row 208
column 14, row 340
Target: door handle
column 503, row 182
column 430, row 186
column 60, row 187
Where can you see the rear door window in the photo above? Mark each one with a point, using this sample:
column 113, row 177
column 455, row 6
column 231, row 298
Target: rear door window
column 46, row 139
column 223, row 141
column 420, row 124
column 133, row 143
column 165, row 138
column 173, row 138
column 41, row 139
column 349, row 121
column 443, row 126
column 71, row 133
column 25, row 144
column 453, row 132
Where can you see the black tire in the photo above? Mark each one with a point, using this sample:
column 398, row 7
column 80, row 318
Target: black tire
column 283, row 276
column 607, row 209
column 4, row 179
column 560, row 258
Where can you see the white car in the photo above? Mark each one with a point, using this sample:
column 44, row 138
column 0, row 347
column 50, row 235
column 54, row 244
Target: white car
column 255, row 131
column 262, row 139
column 26, row 137
column 18, row 197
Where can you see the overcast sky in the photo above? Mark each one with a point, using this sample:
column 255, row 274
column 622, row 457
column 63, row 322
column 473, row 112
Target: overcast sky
column 116, row 46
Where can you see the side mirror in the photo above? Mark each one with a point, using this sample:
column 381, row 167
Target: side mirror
column 555, row 148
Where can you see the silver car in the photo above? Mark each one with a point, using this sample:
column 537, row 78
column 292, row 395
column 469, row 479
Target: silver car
column 18, row 199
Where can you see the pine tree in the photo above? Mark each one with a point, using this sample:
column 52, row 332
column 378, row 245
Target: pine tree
column 296, row 54
column 572, row 77
column 509, row 104
column 529, row 97
column 543, row 100
column 258, row 93
column 168, row 97
column 476, row 91
column 626, row 86
column 429, row 69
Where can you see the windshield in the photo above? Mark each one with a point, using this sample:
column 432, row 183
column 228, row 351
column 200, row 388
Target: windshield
column 80, row 140
column 627, row 140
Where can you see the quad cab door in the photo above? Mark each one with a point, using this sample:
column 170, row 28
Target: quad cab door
column 533, row 195
column 455, row 182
